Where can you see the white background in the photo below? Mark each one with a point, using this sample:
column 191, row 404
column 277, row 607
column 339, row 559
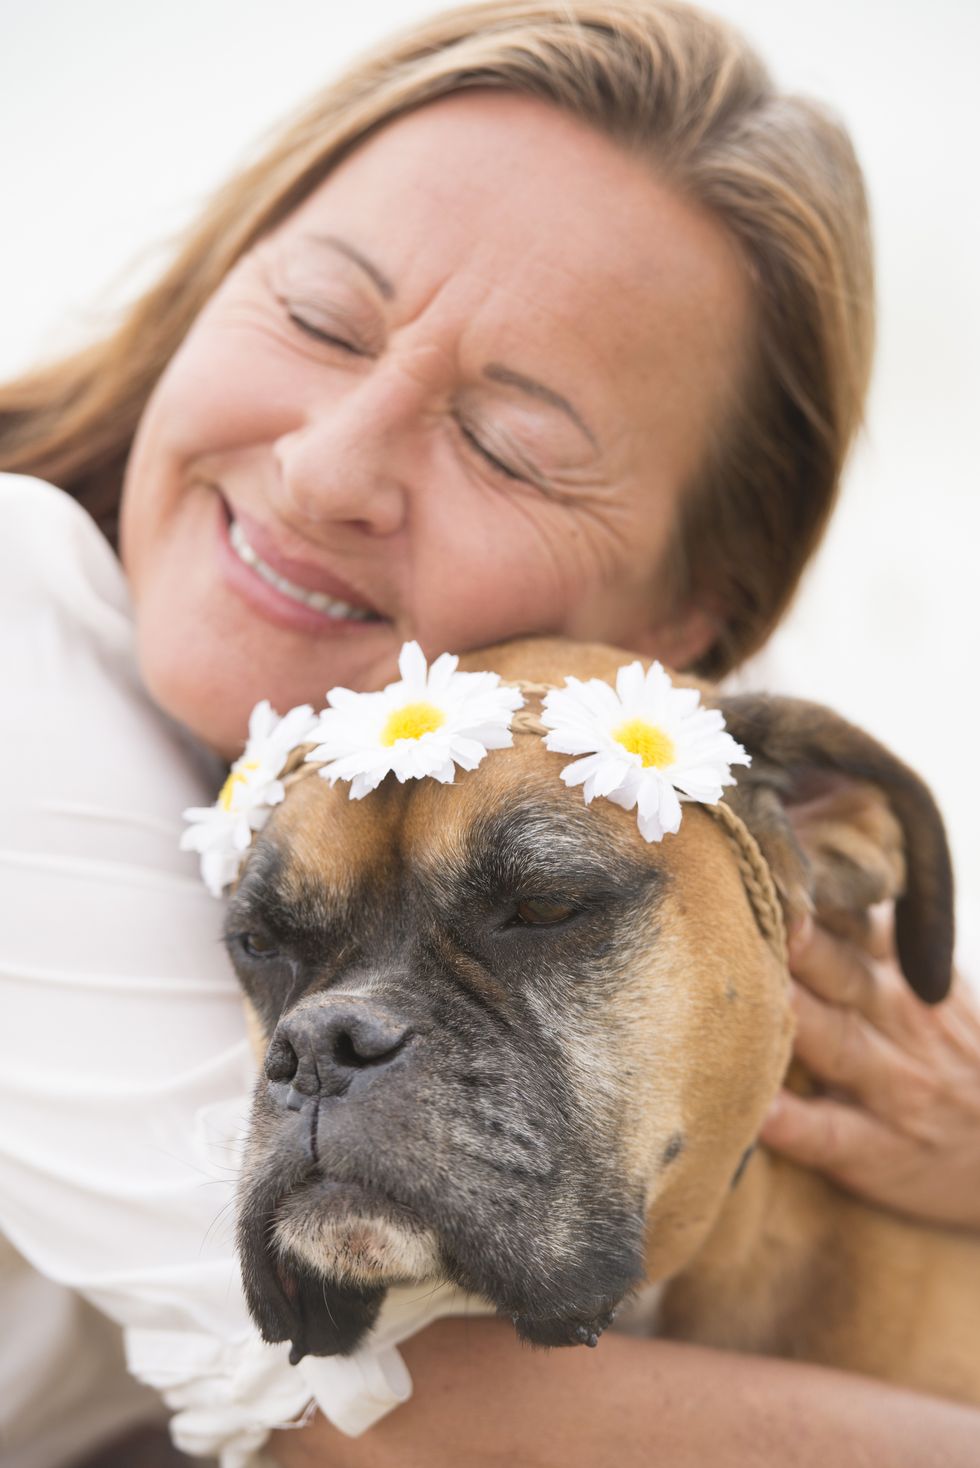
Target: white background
column 119, row 116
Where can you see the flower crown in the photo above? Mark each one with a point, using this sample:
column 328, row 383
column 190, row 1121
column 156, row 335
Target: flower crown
column 644, row 745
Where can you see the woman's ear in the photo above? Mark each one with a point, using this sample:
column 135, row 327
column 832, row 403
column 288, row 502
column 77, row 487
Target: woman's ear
column 679, row 640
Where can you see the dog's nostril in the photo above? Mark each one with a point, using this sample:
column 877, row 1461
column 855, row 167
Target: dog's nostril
column 281, row 1060
column 361, row 1046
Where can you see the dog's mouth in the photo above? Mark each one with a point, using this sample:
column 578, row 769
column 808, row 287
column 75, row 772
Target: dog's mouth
column 316, row 1324
column 350, row 1232
column 415, row 1180
column 322, row 1310
column 318, row 1257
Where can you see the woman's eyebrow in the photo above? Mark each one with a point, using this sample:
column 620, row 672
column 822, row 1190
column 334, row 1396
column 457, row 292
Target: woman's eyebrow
column 493, row 371
column 496, row 372
column 333, row 242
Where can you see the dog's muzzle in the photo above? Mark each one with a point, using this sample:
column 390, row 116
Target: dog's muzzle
column 391, row 1146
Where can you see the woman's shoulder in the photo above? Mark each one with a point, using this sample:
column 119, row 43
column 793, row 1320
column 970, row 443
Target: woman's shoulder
column 67, row 639
column 52, row 552
column 79, row 726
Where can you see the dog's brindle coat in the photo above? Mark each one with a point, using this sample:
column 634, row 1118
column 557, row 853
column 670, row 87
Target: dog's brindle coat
column 513, row 1046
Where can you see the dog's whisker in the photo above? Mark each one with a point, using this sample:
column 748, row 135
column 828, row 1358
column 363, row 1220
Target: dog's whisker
column 220, row 1218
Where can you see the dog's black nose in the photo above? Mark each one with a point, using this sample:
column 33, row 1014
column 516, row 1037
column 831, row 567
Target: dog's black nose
column 321, row 1048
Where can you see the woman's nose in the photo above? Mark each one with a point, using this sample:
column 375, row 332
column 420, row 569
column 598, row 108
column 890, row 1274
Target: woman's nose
column 349, row 461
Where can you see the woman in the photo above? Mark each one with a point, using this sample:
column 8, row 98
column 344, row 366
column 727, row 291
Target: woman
column 405, row 380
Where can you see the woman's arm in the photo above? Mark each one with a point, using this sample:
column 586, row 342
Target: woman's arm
column 482, row 1400
column 904, row 1127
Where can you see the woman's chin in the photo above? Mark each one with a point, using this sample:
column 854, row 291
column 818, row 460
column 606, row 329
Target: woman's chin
column 207, row 662
column 207, row 697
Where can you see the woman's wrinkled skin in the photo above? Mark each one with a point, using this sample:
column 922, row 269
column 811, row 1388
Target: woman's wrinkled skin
column 454, row 398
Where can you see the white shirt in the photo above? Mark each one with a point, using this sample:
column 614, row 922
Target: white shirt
column 124, row 1068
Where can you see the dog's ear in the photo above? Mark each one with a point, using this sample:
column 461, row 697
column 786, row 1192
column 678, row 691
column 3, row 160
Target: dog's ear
column 848, row 792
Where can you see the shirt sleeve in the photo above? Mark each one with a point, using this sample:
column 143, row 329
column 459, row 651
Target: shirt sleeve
column 124, row 1068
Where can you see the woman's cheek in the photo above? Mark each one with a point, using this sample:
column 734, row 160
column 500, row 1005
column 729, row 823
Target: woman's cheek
column 224, row 392
column 500, row 570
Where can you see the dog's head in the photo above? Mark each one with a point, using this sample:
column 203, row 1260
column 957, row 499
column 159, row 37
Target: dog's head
column 511, row 1045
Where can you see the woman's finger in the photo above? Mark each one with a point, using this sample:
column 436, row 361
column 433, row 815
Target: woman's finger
column 824, row 1134
column 836, row 970
column 841, row 1049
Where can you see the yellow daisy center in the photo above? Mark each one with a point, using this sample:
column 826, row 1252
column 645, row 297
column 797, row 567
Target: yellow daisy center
column 237, row 777
column 411, row 722
column 655, row 748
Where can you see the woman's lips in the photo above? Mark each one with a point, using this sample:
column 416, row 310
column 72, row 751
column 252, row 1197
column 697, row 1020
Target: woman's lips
column 283, row 599
column 318, row 600
column 305, row 576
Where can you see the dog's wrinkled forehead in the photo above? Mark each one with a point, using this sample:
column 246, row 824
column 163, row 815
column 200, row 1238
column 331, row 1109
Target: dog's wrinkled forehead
column 502, row 888
column 505, row 825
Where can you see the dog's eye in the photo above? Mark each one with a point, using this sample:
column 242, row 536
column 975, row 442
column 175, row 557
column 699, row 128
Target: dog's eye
column 540, row 912
column 256, row 945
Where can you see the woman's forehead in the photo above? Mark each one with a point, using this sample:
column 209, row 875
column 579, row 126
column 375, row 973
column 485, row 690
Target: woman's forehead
column 528, row 231
column 518, row 210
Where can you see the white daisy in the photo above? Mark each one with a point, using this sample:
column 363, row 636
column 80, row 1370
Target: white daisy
column 646, row 744
column 427, row 723
column 223, row 832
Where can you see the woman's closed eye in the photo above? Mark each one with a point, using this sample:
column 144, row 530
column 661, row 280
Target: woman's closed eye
column 516, row 467
column 509, row 445
column 321, row 334
column 493, row 461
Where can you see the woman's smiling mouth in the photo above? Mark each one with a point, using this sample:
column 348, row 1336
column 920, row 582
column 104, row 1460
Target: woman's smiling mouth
column 331, row 606
column 257, row 572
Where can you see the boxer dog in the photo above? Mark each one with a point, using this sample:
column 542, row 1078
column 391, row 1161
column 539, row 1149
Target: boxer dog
column 507, row 1043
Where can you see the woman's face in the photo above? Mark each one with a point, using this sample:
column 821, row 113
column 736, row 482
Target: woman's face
column 454, row 397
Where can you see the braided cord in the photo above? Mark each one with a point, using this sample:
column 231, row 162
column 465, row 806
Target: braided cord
column 526, row 721
column 756, row 878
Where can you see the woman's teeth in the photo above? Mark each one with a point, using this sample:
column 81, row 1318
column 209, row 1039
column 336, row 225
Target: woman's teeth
column 329, row 605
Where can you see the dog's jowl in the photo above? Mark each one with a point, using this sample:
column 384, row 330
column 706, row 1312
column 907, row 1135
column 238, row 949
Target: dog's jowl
column 508, row 1043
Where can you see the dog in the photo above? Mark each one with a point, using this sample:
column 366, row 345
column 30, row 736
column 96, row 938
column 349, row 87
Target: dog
column 507, row 1043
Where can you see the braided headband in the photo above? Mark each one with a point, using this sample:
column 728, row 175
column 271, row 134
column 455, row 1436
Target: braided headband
column 644, row 744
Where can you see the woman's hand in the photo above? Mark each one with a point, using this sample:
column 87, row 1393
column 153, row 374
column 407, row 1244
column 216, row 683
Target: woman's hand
column 902, row 1124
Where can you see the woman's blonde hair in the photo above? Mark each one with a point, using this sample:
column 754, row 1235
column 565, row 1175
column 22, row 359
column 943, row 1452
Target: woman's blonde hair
column 669, row 83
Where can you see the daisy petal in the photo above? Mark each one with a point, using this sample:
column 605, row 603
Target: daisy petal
column 441, row 673
column 581, row 770
column 609, row 776
column 411, row 666
column 630, row 683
